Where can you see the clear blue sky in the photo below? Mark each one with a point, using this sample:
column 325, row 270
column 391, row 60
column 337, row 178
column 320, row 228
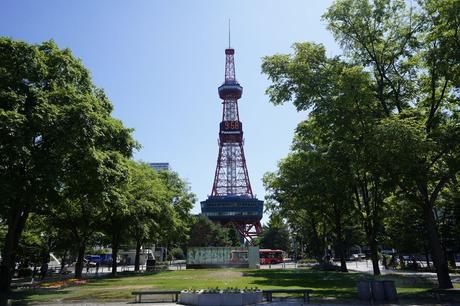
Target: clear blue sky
column 160, row 62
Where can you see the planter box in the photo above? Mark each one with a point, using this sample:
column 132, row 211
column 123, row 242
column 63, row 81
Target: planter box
column 258, row 297
column 232, row 299
column 209, row 299
column 220, row 299
column 251, row 298
column 187, row 298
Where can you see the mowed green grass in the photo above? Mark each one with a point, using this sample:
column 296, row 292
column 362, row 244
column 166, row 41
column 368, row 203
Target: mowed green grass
column 334, row 285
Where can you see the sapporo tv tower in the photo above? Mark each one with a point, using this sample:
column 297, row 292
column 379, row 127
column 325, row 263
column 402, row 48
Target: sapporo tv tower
column 231, row 201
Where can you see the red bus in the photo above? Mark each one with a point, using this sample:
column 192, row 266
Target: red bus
column 268, row 256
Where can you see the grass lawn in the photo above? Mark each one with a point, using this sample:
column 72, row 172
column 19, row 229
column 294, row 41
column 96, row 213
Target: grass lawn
column 334, row 285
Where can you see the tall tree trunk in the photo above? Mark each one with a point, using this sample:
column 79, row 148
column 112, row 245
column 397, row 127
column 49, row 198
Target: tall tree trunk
column 374, row 254
column 339, row 242
column 370, row 220
column 437, row 253
column 138, row 255
column 80, row 257
column 427, row 257
column 343, row 261
column 115, row 245
column 16, row 222
column 317, row 245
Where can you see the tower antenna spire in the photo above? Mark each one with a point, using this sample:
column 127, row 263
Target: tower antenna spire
column 229, row 33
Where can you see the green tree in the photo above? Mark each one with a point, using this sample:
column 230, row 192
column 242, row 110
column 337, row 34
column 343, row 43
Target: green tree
column 338, row 140
column 390, row 103
column 285, row 196
column 116, row 209
column 275, row 235
column 412, row 54
column 234, row 236
column 205, row 233
column 35, row 243
column 55, row 129
column 448, row 216
column 405, row 240
column 147, row 196
column 177, row 253
column 319, row 179
column 175, row 230
column 93, row 178
column 40, row 238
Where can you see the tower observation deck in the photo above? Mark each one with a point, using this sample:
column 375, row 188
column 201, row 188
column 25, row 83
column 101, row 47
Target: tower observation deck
column 231, row 201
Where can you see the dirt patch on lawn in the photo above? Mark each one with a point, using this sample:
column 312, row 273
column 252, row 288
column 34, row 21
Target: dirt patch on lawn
column 124, row 287
column 225, row 274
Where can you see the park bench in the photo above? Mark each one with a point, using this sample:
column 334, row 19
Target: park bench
column 139, row 294
column 269, row 293
column 445, row 292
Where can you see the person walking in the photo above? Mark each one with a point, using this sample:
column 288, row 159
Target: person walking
column 43, row 270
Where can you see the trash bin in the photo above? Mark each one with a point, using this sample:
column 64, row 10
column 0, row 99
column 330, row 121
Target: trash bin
column 364, row 290
column 390, row 290
column 378, row 291
column 150, row 265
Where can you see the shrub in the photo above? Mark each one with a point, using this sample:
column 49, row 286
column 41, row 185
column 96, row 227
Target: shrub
column 24, row 272
column 177, row 253
column 307, row 260
column 326, row 267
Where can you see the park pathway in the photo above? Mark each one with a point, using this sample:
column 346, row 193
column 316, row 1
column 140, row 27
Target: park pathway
column 276, row 303
column 365, row 266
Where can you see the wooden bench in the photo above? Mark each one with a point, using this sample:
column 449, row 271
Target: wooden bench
column 269, row 293
column 439, row 292
column 139, row 294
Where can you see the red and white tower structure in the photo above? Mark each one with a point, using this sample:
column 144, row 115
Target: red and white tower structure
column 231, row 177
column 231, row 200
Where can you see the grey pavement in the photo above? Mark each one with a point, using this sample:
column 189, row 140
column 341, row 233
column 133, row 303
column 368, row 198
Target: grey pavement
column 275, row 303
column 109, row 304
column 365, row 266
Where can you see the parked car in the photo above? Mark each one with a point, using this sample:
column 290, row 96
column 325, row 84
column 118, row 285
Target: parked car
column 89, row 263
column 93, row 258
column 389, row 252
column 102, row 259
column 358, row 256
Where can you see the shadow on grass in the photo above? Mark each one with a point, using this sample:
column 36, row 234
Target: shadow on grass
column 323, row 283
column 338, row 285
column 23, row 296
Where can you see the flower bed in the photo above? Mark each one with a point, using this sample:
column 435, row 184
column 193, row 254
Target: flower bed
column 61, row 283
column 217, row 297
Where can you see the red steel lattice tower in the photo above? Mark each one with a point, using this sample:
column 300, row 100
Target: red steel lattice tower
column 231, row 201
column 231, row 177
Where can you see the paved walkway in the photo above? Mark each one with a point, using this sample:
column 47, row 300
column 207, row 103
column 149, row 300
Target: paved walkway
column 365, row 266
column 276, row 303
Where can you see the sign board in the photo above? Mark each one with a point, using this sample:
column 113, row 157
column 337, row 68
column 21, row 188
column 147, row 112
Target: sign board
column 222, row 257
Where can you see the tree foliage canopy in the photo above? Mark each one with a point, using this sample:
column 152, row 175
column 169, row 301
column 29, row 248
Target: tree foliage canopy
column 66, row 161
column 384, row 116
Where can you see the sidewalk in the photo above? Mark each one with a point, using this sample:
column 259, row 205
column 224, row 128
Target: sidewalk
column 365, row 266
column 276, row 303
